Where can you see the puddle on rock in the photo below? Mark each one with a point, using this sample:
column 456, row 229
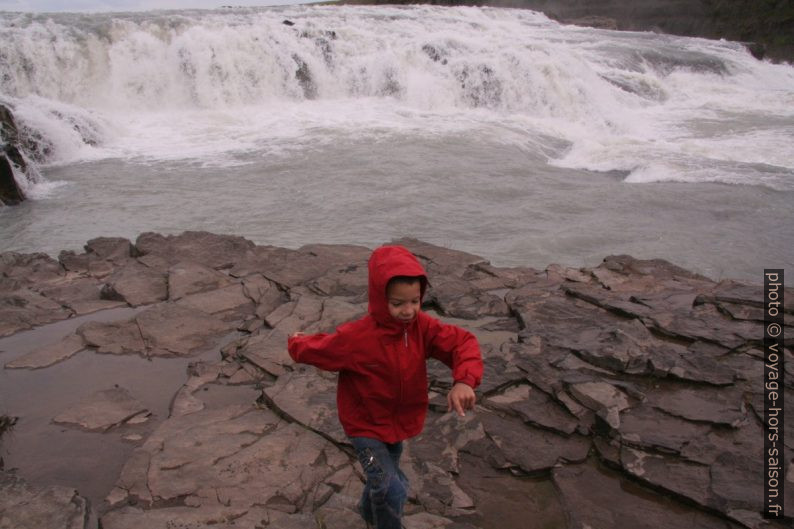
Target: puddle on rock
column 45, row 453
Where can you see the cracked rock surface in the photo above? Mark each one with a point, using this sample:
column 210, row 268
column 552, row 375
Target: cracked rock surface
column 625, row 395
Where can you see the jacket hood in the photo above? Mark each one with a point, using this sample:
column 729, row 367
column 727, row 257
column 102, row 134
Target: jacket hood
column 385, row 263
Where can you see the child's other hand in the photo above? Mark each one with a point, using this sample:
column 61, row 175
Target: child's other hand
column 460, row 397
column 296, row 334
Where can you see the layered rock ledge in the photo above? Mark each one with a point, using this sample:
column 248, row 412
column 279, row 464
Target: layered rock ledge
column 625, row 395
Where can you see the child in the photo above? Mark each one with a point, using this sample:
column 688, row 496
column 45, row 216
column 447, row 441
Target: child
column 382, row 392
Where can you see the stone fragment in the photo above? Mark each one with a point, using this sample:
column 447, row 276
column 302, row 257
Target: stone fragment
column 296, row 315
column 644, row 426
column 26, row 505
column 102, row 410
column 49, row 354
column 604, row 399
column 535, row 407
column 268, row 351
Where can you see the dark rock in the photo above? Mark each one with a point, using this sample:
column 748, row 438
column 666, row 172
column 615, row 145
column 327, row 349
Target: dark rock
column 10, row 192
column 13, row 164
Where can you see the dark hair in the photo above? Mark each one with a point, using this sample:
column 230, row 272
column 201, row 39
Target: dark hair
column 408, row 280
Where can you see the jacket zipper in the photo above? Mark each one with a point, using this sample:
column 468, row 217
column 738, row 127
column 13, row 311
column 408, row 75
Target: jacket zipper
column 405, row 334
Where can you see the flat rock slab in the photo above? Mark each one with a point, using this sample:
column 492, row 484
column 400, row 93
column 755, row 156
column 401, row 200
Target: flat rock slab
column 24, row 505
column 103, row 410
column 187, row 278
column 308, row 397
column 136, row 284
column 167, row 328
column 50, row 354
column 236, row 456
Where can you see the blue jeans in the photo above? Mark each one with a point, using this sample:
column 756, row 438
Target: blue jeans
column 387, row 487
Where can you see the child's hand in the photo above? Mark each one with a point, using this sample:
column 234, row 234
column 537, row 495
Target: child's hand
column 460, row 397
column 296, row 334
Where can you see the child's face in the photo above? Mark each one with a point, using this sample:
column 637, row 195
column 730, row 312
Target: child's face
column 404, row 300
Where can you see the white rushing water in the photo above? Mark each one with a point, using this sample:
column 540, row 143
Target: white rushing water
column 444, row 117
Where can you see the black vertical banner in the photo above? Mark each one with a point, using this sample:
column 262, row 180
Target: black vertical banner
column 774, row 457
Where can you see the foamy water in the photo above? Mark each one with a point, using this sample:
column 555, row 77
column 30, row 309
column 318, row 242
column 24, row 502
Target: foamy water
column 493, row 130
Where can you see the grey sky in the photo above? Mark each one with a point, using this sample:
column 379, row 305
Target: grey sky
column 39, row 6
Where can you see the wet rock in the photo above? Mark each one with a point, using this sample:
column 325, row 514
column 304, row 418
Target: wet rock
column 50, row 354
column 136, row 285
column 103, row 410
column 26, row 505
column 11, row 193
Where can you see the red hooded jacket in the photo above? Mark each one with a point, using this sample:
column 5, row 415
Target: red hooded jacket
column 382, row 390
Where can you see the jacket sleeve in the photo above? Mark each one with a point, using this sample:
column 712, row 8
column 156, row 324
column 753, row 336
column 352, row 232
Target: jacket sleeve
column 458, row 349
column 330, row 352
